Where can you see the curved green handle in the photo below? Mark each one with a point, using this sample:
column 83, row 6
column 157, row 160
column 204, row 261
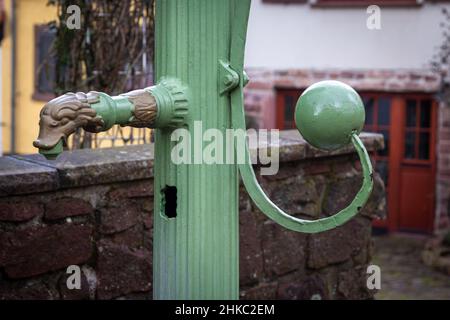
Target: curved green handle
column 310, row 226
column 242, row 8
column 272, row 210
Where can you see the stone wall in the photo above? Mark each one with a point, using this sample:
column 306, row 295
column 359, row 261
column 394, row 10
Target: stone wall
column 94, row 209
column 443, row 169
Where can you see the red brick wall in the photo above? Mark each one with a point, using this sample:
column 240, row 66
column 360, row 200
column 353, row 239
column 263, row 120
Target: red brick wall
column 443, row 169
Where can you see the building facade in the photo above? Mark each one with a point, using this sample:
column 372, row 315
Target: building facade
column 20, row 115
column 292, row 44
column 385, row 54
column 28, row 75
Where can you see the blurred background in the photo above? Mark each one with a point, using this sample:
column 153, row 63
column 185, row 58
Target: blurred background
column 396, row 55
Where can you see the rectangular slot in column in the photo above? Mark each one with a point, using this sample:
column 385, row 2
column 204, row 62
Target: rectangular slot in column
column 169, row 205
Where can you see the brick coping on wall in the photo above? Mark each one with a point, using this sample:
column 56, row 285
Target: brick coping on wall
column 25, row 174
column 389, row 80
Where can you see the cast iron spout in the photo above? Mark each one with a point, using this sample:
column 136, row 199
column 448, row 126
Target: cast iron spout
column 60, row 118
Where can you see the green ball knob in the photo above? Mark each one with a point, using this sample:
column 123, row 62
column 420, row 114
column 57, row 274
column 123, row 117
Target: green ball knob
column 327, row 113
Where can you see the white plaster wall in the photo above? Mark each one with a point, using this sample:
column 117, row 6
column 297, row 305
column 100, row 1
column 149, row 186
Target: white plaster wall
column 284, row 36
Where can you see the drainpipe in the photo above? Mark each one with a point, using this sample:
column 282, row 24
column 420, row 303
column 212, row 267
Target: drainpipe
column 13, row 76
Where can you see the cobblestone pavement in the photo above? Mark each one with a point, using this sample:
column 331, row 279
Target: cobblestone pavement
column 403, row 275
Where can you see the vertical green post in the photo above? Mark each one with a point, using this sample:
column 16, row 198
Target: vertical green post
column 196, row 253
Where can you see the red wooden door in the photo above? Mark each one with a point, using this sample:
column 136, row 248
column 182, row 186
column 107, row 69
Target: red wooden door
column 378, row 119
column 286, row 102
column 407, row 164
column 417, row 167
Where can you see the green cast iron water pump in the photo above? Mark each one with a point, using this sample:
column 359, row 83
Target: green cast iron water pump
column 199, row 57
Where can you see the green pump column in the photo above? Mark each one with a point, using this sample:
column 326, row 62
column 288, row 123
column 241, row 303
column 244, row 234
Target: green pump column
column 195, row 253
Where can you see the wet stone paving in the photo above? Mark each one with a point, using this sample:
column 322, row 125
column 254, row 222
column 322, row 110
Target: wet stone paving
column 403, row 275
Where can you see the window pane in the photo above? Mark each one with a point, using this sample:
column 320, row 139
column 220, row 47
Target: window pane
column 384, row 109
column 289, row 125
column 45, row 63
column 288, row 108
column 410, row 140
column 425, row 113
column 411, row 113
column 424, row 145
column 368, row 103
column 385, row 151
column 382, row 168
